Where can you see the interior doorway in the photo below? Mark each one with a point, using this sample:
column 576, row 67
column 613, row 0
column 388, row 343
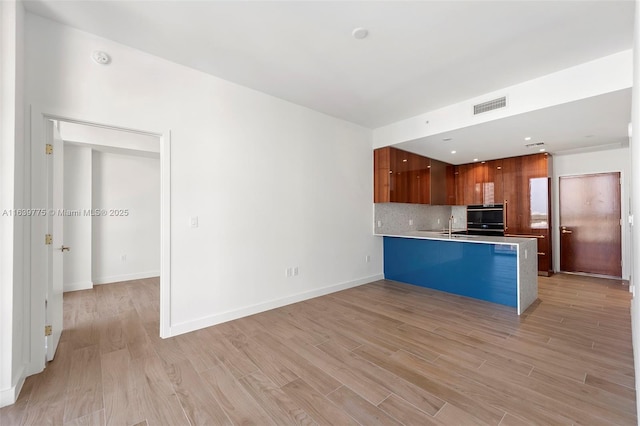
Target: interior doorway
column 40, row 157
column 590, row 224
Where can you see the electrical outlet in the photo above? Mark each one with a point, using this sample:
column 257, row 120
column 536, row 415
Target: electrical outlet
column 526, row 254
column 367, row 258
column 410, row 222
column 123, row 258
column 193, row 221
column 438, row 221
column 379, row 224
column 295, row 271
column 288, row 272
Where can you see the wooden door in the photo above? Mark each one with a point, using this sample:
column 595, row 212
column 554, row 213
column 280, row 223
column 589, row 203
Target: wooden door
column 590, row 219
column 53, row 306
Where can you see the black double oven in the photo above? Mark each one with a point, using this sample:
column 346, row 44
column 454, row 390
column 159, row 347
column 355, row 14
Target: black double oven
column 485, row 219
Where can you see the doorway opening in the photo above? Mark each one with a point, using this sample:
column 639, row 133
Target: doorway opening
column 99, row 151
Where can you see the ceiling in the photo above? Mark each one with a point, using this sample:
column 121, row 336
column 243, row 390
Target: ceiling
column 594, row 123
column 419, row 55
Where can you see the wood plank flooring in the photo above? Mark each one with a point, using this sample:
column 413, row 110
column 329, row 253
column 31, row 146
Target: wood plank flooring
column 381, row 353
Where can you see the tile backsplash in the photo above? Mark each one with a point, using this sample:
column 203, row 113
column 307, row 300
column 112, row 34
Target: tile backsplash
column 392, row 218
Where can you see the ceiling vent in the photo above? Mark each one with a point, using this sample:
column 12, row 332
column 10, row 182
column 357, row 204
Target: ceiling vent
column 534, row 145
column 490, row 105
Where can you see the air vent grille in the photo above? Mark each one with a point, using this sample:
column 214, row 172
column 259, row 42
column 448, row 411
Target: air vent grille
column 490, row 105
column 533, row 145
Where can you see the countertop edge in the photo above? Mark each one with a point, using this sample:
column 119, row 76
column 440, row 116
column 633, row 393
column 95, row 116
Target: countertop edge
column 478, row 239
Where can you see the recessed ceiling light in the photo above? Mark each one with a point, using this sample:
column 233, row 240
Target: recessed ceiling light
column 542, row 150
column 528, row 138
column 475, row 159
column 453, row 152
column 447, row 139
column 360, row 33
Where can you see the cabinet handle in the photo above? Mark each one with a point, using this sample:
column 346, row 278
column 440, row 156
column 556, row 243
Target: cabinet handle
column 506, row 215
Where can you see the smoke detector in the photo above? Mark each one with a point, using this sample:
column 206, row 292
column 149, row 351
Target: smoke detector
column 101, row 58
column 360, row 33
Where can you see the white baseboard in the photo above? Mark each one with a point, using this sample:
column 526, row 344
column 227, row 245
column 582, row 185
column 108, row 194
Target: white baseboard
column 82, row 285
column 188, row 326
column 125, row 277
column 10, row 395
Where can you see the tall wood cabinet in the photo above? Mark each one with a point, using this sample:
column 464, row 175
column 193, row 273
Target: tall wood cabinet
column 527, row 202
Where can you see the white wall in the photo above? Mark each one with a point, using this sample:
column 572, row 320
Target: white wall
column 274, row 185
column 131, row 184
column 14, row 299
column 612, row 160
column 635, row 202
column 77, row 229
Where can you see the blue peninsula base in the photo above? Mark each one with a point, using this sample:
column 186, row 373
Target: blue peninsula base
column 482, row 271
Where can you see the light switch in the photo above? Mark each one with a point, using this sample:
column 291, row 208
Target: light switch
column 193, row 221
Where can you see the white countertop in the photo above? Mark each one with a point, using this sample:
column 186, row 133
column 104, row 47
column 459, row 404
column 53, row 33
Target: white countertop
column 439, row 235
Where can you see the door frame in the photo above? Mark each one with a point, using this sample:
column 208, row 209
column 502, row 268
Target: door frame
column 620, row 219
column 36, row 251
column 624, row 212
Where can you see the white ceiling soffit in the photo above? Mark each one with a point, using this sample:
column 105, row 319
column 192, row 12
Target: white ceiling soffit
column 588, row 124
column 418, row 56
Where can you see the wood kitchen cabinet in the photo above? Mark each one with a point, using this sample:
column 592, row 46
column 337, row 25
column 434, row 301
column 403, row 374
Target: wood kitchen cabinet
column 450, row 185
column 522, row 184
column 382, row 175
column 527, row 202
column 405, row 177
column 478, row 183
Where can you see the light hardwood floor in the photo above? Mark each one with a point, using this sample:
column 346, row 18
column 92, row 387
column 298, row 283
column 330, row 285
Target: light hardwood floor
column 381, row 353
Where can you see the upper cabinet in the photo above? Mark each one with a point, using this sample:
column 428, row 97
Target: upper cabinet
column 405, row 177
column 478, row 183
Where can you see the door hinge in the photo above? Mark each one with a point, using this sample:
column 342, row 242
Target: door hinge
column 48, row 239
column 49, row 149
column 48, row 330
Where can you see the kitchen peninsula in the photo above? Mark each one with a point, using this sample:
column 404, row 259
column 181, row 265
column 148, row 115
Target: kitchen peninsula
column 495, row 269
